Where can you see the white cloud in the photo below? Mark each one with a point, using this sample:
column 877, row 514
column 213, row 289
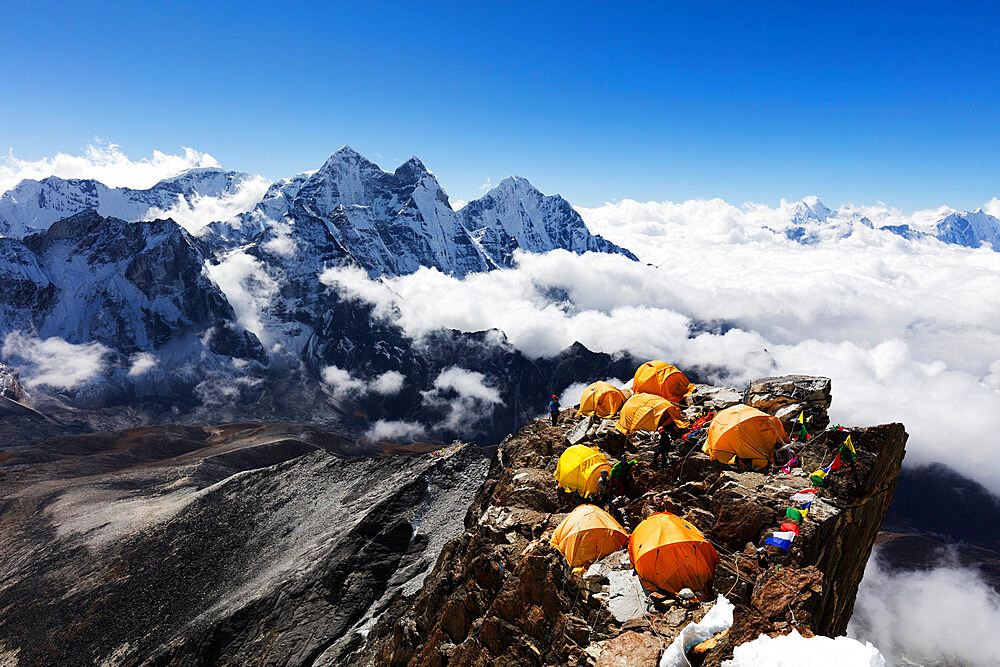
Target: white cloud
column 106, row 163
column 222, row 389
column 142, row 362
column 248, row 287
column 465, row 397
column 907, row 330
column 571, row 394
column 395, row 430
column 341, row 383
column 53, row 361
column 354, row 281
column 197, row 211
column 388, row 383
column 947, row 615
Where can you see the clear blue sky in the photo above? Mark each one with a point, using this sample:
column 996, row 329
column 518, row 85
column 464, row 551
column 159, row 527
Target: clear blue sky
column 673, row 100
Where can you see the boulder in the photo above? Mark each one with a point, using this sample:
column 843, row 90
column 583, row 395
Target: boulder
column 630, row 649
column 788, row 395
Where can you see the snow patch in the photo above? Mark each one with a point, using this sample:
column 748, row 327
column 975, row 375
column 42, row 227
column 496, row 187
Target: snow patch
column 794, row 650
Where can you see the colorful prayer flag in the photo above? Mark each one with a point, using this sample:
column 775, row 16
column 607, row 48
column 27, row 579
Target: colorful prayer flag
column 802, row 497
column 781, row 544
column 793, row 462
column 794, row 514
column 784, row 535
column 835, row 464
column 790, row 526
column 850, row 445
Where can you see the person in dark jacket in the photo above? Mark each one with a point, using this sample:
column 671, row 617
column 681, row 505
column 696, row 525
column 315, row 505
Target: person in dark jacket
column 663, row 446
column 554, row 410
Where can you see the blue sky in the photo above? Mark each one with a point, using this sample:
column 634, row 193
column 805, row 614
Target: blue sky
column 594, row 101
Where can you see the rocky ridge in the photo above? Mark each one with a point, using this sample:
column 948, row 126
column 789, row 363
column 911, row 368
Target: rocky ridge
column 234, row 544
column 500, row 593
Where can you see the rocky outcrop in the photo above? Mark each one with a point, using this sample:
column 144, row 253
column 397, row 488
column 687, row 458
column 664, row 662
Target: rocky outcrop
column 787, row 396
column 10, row 387
column 501, row 594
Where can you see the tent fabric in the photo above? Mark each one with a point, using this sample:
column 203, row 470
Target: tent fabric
column 746, row 433
column 668, row 552
column 588, row 533
column 601, row 399
column 579, row 468
column 662, row 379
column 645, row 412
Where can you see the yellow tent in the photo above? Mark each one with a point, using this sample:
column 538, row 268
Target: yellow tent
column 662, row 379
column 668, row 552
column 645, row 412
column 601, row 400
column 588, row 533
column 746, row 433
column 579, row 468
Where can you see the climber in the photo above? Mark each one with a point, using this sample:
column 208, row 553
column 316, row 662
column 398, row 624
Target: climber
column 663, row 446
column 621, row 477
column 603, row 496
column 554, row 409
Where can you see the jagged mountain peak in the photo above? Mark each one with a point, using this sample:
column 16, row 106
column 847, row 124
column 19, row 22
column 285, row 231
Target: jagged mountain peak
column 346, row 157
column 810, row 208
column 413, row 171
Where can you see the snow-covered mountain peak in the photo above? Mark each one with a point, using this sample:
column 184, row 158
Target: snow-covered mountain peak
column 32, row 206
column 810, row 208
column 517, row 184
column 413, row 171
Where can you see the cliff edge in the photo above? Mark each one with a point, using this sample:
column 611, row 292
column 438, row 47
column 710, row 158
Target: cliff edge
column 501, row 594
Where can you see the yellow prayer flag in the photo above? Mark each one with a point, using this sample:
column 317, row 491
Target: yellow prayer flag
column 802, row 418
column 850, row 445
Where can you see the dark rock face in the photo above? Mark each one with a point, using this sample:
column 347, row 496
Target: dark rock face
column 501, row 594
column 221, row 545
column 130, row 286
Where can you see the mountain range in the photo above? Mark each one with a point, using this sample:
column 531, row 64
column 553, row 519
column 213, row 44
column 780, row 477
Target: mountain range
column 234, row 317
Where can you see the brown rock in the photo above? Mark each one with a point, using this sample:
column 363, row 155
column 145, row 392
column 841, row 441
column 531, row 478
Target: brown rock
column 631, row 649
column 740, row 521
column 786, row 591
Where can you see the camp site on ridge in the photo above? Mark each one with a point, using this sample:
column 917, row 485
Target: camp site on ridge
column 644, row 543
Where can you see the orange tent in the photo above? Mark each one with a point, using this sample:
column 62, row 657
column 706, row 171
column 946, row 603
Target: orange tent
column 579, row 468
column 645, row 412
column 746, row 433
column 588, row 533
column 662, row 379
column 601, row 399
column 668, row 552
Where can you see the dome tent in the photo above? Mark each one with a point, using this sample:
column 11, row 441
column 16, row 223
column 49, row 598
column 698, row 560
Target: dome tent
column 746, row 433
column 668, row 552
column 588, row 533
column 601, row 399
column 645, row 412
column 579, row 468
column 662, row 379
